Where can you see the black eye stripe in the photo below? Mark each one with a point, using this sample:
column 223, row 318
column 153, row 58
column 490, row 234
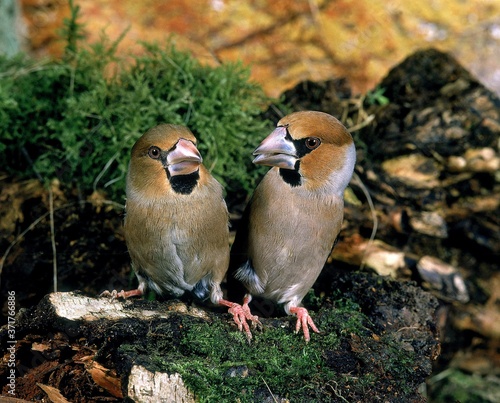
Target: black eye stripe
column 305, row 145
column 302, row 147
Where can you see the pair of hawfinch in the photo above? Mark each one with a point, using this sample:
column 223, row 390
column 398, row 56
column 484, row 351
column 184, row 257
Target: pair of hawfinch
column 176, row 223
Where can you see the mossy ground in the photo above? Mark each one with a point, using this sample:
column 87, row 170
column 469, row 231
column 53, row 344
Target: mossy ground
column 346, row 361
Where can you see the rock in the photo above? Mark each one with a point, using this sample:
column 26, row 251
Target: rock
column 443, row 278
column 151, row 387
column 429, row 223
column 432, row 153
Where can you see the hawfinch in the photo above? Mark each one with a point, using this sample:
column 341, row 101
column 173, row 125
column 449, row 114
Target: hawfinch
column 176, row 221
column 291, row 223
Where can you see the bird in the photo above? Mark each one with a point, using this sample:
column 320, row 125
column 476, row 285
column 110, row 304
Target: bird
column 176, row 221
column 292, row 221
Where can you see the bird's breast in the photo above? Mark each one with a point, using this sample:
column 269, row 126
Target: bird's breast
column 291, row 234
column 180, row 238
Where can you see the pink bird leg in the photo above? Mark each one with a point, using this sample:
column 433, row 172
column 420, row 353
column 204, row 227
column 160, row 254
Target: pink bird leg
column 241, row 313
column 303, row 320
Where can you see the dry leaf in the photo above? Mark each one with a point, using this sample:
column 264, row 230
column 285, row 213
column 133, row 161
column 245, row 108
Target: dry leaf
column 105, row 378
column 53, row 394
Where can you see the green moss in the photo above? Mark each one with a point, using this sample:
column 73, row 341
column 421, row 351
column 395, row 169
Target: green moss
column 218, row 364
column 347, row 318
column 77, row 118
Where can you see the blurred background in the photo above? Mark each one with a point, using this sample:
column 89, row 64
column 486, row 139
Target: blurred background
column 284, row 42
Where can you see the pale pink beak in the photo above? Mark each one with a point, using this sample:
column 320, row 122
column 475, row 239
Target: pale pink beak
column 276, row 150
column 184, row 159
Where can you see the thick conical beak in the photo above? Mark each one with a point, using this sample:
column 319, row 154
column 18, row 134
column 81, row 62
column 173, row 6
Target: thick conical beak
column 184, row 159
column 276, row 150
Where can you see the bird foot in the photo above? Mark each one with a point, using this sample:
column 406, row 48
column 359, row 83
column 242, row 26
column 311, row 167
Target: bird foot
column 122, row 294
column 241, row 314
column 304, row 321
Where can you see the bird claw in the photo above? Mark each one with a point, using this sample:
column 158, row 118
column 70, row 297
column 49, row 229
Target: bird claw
column 122, row 294
column 303, row 321
column 241, row 314
column 109, row 294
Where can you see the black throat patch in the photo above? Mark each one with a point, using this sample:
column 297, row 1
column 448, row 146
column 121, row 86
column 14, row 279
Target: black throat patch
column 184, row 184
column 292, row 176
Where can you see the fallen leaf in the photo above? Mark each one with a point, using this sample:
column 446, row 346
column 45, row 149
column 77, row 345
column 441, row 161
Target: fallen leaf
column 105, row 378
column 53, row 394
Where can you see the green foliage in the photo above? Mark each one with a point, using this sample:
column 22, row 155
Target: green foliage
column 377, row 97
column 72, row 30
column 454, row 385
column 77, row 118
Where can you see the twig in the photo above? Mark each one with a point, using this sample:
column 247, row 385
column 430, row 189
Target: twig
column 19, row 237
column 51, row 214
column 103, row 171
column 53, row 238
column 269, row 389
column 362, row 124
column 314, row 11
column 407, row 328
column 38, row 66
column 37, row 221
column 277, row 24
column 359, row 182
column 337, row 393
column 439, row 377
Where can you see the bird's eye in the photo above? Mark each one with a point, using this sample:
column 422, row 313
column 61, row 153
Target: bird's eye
column 154, row 152
column 312, row 142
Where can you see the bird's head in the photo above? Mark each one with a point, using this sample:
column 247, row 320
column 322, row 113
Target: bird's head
column 164, row 159
column 311, row 149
